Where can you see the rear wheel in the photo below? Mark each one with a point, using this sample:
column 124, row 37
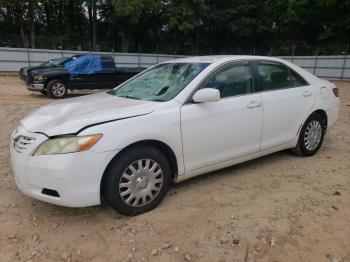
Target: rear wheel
column 137, row 181
column 56, row 89
column 311, row 136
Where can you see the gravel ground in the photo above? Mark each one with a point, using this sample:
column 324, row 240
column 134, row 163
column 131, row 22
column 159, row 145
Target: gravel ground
column 277, row 208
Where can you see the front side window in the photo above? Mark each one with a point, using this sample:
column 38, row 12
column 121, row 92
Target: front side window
column 161, row 83
column 231, row 80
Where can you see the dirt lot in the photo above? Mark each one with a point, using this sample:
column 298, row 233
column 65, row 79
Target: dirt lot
column 278, row 208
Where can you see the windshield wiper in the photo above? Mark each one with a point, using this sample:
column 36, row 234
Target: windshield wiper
column 130, row 97
column 162, row 91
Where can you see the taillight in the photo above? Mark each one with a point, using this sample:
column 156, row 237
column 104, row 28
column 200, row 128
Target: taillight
column 336, row 92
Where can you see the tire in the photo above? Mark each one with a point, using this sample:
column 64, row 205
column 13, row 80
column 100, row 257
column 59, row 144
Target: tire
column 130, row 192
column 56, row 89
column 310, row 143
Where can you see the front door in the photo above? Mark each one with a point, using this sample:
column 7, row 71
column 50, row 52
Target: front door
column 218, row 131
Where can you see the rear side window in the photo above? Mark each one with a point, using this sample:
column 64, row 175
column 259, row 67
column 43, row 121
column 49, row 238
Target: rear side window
column 277, row 76
column 108, row 64
column 273, row 76
column 231, row 80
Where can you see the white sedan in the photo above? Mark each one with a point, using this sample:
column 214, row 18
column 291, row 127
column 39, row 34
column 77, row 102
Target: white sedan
column 176, row 120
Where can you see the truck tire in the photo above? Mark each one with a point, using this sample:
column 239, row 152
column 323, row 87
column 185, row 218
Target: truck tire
column 56, row 89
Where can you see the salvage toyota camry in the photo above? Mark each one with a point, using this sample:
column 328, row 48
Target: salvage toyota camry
column 171, row 122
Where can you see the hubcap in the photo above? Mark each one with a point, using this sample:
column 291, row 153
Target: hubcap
column 313, row 135
column 58, row 89
column 141, row 182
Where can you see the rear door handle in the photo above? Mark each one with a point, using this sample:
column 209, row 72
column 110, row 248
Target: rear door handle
column 307, row 93
column 254, row 104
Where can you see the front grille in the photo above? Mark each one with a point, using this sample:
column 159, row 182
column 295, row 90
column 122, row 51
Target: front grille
column 23, row 73
column 21, row 143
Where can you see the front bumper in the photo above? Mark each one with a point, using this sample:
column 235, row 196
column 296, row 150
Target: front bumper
column 23, row 76
column 35, row 87
column 76, row 177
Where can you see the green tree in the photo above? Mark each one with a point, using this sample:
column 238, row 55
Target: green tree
column 132, row 15
column 177, row 26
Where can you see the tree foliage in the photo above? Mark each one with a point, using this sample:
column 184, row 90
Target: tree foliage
column 175, row 26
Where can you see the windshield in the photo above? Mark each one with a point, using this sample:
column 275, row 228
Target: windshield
column 60, row 61
column 68, row 59
column 55, row 61
column 161, row 83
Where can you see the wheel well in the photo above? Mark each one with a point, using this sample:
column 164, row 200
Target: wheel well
column 49, row 80
column 322, row 114
column 164, row 148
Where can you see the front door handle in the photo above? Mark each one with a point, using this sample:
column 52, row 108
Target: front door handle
column 254, row 104
column 307, row 93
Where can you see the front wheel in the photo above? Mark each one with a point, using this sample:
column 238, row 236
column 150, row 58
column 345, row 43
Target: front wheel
column 311, row 136
column 137, row 181
column 56, row 89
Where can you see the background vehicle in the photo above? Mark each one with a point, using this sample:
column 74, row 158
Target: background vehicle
column 174, row 121
column 23, row 72
column 84, row 72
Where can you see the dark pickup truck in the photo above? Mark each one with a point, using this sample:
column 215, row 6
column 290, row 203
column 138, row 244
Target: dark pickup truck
column 83, row 72
column 23, row 72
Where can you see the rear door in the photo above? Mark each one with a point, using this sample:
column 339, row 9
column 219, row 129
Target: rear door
column 286, row 99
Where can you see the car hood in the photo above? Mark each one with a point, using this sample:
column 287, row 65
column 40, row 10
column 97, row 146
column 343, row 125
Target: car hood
column 51, row 70
column 72, row 115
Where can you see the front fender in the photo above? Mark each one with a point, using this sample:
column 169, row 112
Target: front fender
column 162, row 126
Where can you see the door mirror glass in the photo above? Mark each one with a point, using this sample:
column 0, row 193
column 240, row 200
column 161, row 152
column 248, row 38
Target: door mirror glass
column 206, row 95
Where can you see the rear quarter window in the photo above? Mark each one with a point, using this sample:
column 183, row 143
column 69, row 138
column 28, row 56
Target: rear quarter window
column 296, row 79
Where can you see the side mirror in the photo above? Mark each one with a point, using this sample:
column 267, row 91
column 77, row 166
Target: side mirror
column 206, row 95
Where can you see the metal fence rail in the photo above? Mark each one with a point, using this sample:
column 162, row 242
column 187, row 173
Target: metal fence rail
column 333, row 67
column 12, row 59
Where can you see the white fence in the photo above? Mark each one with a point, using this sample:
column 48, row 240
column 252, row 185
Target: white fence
column 12, row 59
column 333, row 67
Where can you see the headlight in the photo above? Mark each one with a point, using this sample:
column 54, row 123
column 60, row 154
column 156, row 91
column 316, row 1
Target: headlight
column 39, row 78
column 68, row 144
column 14, row 133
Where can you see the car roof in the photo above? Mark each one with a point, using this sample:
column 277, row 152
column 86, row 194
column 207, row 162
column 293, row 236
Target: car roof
column 223, row 58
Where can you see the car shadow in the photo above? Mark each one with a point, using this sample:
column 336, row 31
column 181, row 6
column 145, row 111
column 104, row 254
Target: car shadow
column 230, row 171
